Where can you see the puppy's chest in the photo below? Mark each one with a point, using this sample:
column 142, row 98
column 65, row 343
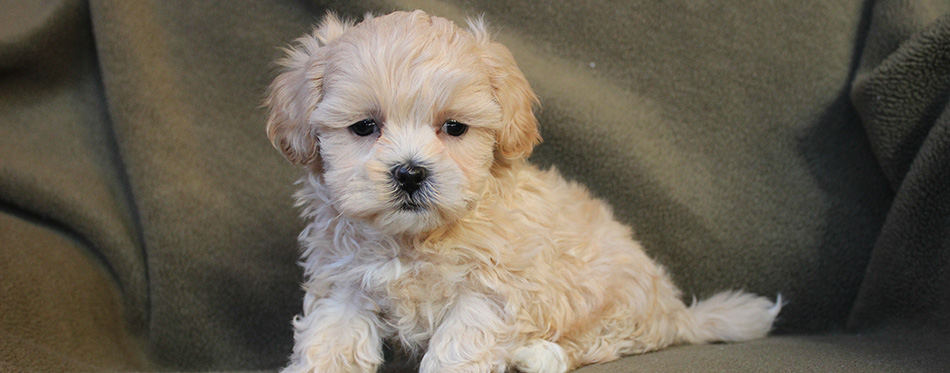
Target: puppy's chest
column 413, row 295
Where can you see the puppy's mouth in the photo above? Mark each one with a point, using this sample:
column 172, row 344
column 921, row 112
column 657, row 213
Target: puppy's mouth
column 417, row 201
column 411, row 207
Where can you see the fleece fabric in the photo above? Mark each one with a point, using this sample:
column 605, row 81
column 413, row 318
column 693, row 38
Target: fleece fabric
column 146, row 223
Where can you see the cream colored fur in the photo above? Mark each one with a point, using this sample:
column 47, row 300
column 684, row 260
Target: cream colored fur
column 505, row 265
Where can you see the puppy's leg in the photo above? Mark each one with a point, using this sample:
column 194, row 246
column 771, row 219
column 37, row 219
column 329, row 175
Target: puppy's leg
column 337, row 333
column 540, row 356
column 470, row 338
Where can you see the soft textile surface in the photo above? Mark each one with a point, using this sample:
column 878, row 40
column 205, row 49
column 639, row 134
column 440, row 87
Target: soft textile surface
column 775, row 146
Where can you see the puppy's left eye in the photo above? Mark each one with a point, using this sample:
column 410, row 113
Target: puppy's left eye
column 454, row 128
column 364, row 127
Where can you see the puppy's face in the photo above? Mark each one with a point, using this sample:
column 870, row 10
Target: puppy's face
column 404, row 117
column 406, row 128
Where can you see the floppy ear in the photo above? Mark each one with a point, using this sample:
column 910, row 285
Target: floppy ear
column 297, row 90
column 519, row 132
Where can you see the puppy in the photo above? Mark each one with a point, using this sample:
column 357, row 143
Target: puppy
column 427, row 226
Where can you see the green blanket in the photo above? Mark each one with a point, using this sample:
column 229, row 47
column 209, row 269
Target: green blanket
column 775, row 146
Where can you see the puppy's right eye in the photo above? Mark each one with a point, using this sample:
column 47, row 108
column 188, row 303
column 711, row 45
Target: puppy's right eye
column 364, row 127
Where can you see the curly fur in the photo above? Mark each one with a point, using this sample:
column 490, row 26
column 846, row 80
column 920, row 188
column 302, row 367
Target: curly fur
column 505, row 265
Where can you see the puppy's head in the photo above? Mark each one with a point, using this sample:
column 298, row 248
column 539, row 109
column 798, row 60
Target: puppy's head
column 403, row 116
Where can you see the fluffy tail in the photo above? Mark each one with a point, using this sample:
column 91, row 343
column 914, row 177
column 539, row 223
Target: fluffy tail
column 730, row 316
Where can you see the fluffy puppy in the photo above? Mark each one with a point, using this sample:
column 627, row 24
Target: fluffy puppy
column 427, row 225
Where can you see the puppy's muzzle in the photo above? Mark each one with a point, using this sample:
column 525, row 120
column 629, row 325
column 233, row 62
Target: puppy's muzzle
column 409, row 177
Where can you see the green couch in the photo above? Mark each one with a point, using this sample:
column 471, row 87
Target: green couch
column 800, row 147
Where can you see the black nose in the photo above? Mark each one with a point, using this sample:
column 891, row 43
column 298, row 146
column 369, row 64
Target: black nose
column 409, row 177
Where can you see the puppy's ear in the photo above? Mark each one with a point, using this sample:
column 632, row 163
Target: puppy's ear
column 519, row 133
column 297, row 90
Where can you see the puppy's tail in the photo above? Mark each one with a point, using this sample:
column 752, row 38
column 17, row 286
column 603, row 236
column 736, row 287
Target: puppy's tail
column 730, row 316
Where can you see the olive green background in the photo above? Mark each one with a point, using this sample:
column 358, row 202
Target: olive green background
column 790, row 147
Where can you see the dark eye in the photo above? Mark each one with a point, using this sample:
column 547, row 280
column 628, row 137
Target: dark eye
column 454, row 128
column 364, row 127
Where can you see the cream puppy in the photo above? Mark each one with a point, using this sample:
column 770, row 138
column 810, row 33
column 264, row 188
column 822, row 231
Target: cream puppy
column 427, row 225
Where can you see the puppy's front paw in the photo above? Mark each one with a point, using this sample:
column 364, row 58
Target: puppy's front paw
column 305, row 367
column 540, row 356
column 431, row 364
column 324, row 342
column 336, row 354
column 321, row 362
